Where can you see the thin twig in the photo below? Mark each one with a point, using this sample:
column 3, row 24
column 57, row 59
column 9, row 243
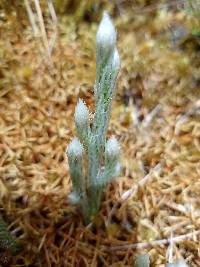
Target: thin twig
column 170, row 249
column 31, row 17
column 129, row 192
column 52, row 10
column 42, row 27
column 156, row 242
column 54, row 22
column 148, row 119
column 183, row 118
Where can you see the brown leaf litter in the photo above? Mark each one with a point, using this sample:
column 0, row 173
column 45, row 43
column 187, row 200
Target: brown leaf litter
column 155, row 118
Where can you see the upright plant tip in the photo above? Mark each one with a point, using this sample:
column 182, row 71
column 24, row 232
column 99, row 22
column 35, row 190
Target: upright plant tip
column 74, row 198
column 75, row 149
column 93, row 162
column 116, row 60
column 81, row 115
column 112, row 147
column 106, row 37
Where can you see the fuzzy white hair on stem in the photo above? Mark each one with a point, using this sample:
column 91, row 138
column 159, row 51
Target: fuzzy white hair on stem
column 112, row 147
column 81, row 113
column 75, row 149
column 101, row 157
column 106, row 36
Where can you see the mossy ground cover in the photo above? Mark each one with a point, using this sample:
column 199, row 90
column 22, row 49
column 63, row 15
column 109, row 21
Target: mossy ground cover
column 155, row 117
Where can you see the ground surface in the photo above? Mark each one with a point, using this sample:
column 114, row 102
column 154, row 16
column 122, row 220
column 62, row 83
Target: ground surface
column 155, row 117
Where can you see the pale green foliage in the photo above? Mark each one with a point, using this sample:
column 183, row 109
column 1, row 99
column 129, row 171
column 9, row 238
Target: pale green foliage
column 101, row 157
column 7, row 242
column 142, row 261
column 178, row 263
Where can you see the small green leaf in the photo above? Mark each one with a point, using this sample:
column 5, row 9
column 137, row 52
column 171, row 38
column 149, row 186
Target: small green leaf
column 142, row 261
column 7, row 242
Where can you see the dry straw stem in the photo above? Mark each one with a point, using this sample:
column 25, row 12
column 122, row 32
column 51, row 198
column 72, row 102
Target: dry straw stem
column 170, row 249
column 157, row 242
column 195, row 109
column 35, row 125
column 31, row 17
column 42, row 26
column 54, row 24
column 49, row 43
column 128, row 193
column 134, row 188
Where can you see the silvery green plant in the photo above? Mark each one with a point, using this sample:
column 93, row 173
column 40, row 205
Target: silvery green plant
column 178, row 263
column 142, row 261
column 101, row 157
